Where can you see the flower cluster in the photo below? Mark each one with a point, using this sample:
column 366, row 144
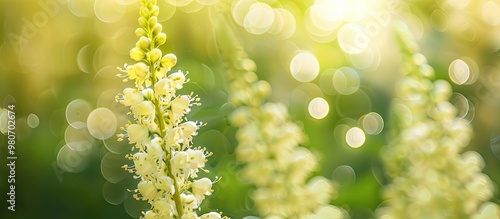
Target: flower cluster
column 164, row 158
column 268, row 145
column 430, row 176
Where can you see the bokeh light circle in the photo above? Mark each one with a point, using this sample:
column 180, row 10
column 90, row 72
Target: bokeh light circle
column 33, row 120
column 304, row 67
column 114, row 194
column 464, row 107
column 111, row 167
column 490, row 13
column 77, row 112
column 346, row 81
column 259, row 18
column 459, row 72
column 372, row 123
column 101, row 123
column 355, row 137
column 344, row 175
column 318, row 108
column 109, row 11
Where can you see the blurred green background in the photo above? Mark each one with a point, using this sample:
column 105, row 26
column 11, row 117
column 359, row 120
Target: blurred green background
column 58, row 62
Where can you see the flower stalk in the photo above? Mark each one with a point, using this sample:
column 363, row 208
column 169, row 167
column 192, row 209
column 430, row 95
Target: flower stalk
column 268, row 142
column 164, row 158
column 430, row 176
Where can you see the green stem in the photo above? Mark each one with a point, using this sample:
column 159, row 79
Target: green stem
column 161, row 119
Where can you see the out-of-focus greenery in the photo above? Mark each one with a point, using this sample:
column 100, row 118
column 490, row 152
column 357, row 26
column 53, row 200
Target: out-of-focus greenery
column 56, row 51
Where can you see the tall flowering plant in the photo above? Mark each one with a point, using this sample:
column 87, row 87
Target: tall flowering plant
column 268, row 143
column 164, row 158
column 431, row 177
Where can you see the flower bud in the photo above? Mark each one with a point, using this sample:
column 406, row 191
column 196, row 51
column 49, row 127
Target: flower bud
column 140, row 32
column 143, row 23
column 144, row 12
column 143, row 43
column 141, row 70
column 240, row 116
column 137, row 54
column 154, row 11
column 152, row 21
column 157, row 29
column 154, row 55
column 160, row 39
column 441, row 91
column 263, row 88
column 427, row 71
column 168, row 61
column 250, row 77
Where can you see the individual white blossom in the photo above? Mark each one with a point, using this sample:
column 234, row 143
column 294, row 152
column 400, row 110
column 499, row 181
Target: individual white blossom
column 164, row 159
column 430, row 176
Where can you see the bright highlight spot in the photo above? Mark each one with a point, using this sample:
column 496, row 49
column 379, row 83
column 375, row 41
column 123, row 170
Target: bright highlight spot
column 304, row 67
column 102, row 123
column 284, row 23
column 490, row 13
column 459, row 72
column 33, row 121
column 355, row 137
column 259, row 19
column 352, row 39
column 318, row 108
column 327, row 15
